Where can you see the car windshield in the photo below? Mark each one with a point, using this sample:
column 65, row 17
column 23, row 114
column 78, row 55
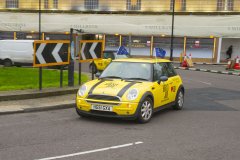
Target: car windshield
column 121, row 56
column 128, row 70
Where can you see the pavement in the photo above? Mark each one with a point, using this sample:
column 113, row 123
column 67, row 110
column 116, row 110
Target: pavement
column 32, row 100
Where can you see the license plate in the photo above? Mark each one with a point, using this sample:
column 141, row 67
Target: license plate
column 102, row 108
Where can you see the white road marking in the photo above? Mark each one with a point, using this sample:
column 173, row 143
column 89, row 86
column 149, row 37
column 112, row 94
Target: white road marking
column 198, row 81
column 39, row 53
column 55, row 52
column 91, row 151
column 138, row 142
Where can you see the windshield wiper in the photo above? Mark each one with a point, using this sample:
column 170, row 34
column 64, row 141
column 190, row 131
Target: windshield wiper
column 111, row 77
column 136, row 79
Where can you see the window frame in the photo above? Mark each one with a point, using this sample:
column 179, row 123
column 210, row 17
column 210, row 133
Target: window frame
column 55, row 4
column 130, row 6
column 183, row 5
column 91, row 4
column 227, row 6
column 12, row 4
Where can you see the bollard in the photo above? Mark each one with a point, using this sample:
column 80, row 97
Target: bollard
column 181, row 60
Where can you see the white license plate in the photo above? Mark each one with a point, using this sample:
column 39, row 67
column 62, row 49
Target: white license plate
column 102, row 108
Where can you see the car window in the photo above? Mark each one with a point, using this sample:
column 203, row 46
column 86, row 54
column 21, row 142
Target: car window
column 160, row 69
column 171, row 70
column 128, row 70
column 122, row 56
column 107, row 55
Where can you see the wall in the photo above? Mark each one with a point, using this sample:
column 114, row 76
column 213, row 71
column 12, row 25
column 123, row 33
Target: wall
column 120, row 5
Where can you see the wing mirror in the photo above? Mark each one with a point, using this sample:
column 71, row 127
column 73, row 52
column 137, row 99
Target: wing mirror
column 163, row 78
column 97, row 74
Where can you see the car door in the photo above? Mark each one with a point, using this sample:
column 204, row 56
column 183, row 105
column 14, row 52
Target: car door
column 173, row 81
column 160, row 91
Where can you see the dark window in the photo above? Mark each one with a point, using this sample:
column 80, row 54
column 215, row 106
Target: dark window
column 11, row 3
column 180, row 5
column 91, row 4
column 50, row 4
column 107, row 55
column 171, row 70
column 225, row 5
column 133, row 4
column 160, row 69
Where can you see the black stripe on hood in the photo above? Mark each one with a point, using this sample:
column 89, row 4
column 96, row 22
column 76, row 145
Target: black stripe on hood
column 124, row 89
column 91, row 90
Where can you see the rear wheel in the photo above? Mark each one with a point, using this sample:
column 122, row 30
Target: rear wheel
column 146, row 111
column 7, row 63
column 179, row 100
column 94, row 68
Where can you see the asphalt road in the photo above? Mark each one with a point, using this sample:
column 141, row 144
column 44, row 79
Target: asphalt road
column 206, row 128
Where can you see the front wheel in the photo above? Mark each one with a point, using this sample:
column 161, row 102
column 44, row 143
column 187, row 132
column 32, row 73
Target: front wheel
column 7, row 63
column 94, row 68
column 146, row 111
column 179, row 100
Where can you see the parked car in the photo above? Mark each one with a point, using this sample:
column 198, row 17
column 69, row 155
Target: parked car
column 16, row 53
column 131, row 89
column 108, row 56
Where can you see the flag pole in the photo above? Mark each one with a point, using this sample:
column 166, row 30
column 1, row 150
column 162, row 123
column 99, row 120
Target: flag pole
column 155, row 54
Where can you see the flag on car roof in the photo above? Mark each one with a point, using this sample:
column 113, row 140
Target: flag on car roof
column 160, row 52
column 122, row 50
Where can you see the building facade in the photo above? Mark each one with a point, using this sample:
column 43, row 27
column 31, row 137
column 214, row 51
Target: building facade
column 204, row 28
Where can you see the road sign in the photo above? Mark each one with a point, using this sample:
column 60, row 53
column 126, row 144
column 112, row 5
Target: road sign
column 72, row 50
column 91, row 50
column 49, row 53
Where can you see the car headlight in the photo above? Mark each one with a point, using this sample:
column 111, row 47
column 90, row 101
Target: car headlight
column 132, row 94
column 82, row 90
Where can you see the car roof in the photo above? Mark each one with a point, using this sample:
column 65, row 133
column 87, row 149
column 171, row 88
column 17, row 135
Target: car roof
column 141, row 60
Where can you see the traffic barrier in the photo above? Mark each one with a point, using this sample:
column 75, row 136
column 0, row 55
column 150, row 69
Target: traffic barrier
column 237, row 64
column 184, row 62
column 229, row 63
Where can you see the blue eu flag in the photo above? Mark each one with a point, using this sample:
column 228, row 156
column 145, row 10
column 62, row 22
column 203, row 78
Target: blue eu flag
column 160, row 52
column 122, row 50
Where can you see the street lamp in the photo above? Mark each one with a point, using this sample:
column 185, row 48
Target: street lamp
column 171, row 53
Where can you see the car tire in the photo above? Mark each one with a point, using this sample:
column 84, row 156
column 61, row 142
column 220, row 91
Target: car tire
column 94, row 68
column 145, row 111
column 179, row 100
column 7, row 63
column 81, row 114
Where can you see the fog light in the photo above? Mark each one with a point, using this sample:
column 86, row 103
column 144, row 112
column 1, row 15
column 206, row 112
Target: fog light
column 128, row 105
column 79, row 101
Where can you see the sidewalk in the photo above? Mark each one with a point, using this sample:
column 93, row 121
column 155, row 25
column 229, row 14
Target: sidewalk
column 209, row 67
column 58, row 98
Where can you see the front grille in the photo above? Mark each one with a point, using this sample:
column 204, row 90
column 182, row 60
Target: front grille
column 103, row 97
column 103, row 113
column 106, row 103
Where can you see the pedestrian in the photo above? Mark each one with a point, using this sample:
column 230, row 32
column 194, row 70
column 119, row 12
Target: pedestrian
column 229, row 52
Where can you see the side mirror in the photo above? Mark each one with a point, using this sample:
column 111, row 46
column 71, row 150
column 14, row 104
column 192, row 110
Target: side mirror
column 163, row 78
column 98, row 74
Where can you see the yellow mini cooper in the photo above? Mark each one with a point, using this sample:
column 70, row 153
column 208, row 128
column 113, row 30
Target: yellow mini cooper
column 131, row 89
column 108, row 56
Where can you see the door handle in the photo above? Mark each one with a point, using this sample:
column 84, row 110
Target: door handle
column 170, row 82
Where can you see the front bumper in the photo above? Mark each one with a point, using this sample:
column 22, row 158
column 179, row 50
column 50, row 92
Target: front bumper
column 124, row 110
